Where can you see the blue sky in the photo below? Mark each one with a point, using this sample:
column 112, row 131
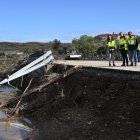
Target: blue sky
column 45, row 20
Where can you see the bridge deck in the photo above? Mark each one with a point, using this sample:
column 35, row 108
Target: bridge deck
column 99, row 64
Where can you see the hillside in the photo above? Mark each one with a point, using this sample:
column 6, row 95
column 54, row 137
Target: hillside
column 8, row 46
column 55, row 45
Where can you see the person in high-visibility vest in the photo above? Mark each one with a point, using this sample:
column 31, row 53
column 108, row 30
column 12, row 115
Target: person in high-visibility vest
column 111, row 45
column 132, row 46
column 138, row 53
column 123, row 47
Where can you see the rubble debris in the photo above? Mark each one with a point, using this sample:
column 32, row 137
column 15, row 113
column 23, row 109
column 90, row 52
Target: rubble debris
column 83, row 104
column 109, row 110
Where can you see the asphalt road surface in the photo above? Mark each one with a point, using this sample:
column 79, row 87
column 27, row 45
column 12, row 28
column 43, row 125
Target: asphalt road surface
column 99, row 64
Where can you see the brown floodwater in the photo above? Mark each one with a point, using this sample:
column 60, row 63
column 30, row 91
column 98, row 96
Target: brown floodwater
column 15, row 127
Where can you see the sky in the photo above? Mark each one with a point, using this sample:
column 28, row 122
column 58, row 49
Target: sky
column 46, row 20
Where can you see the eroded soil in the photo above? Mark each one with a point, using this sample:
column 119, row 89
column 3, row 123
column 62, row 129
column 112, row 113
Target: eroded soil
column 87, row 105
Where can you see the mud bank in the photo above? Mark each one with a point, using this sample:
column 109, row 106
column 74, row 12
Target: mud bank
column 88, row 104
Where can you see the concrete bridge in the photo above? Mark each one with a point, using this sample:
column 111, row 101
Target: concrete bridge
column 99, row 64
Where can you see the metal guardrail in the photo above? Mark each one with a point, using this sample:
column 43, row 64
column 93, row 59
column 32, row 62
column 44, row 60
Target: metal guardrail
column 36, row 64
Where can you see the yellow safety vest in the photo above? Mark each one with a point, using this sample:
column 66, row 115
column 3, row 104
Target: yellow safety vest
column 112, row 44
column 132, row 40
column 139, row 47
column 123, row 41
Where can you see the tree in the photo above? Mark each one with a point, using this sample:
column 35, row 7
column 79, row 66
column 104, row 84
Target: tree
column 85, row 44
column 56, row 44
column 28, row 50
column 61, row 51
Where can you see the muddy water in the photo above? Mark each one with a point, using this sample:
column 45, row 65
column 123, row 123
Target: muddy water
column 6, row 89
column 15, row 128
column 6, row 93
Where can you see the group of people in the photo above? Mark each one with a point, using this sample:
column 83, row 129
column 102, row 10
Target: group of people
column 128, row 46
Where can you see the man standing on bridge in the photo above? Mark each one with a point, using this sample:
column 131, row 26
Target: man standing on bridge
column 132, row 46
column 123, row 47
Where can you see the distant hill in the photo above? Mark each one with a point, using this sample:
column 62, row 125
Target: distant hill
column 6, row 46
column 13, row 46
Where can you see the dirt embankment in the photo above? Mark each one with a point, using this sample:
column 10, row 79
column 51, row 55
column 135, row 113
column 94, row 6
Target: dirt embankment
column 6, row 69
column 89, row 104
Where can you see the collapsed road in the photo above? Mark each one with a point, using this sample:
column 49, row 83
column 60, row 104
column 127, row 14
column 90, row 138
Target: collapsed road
column 81, row 103
column 86, row 104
